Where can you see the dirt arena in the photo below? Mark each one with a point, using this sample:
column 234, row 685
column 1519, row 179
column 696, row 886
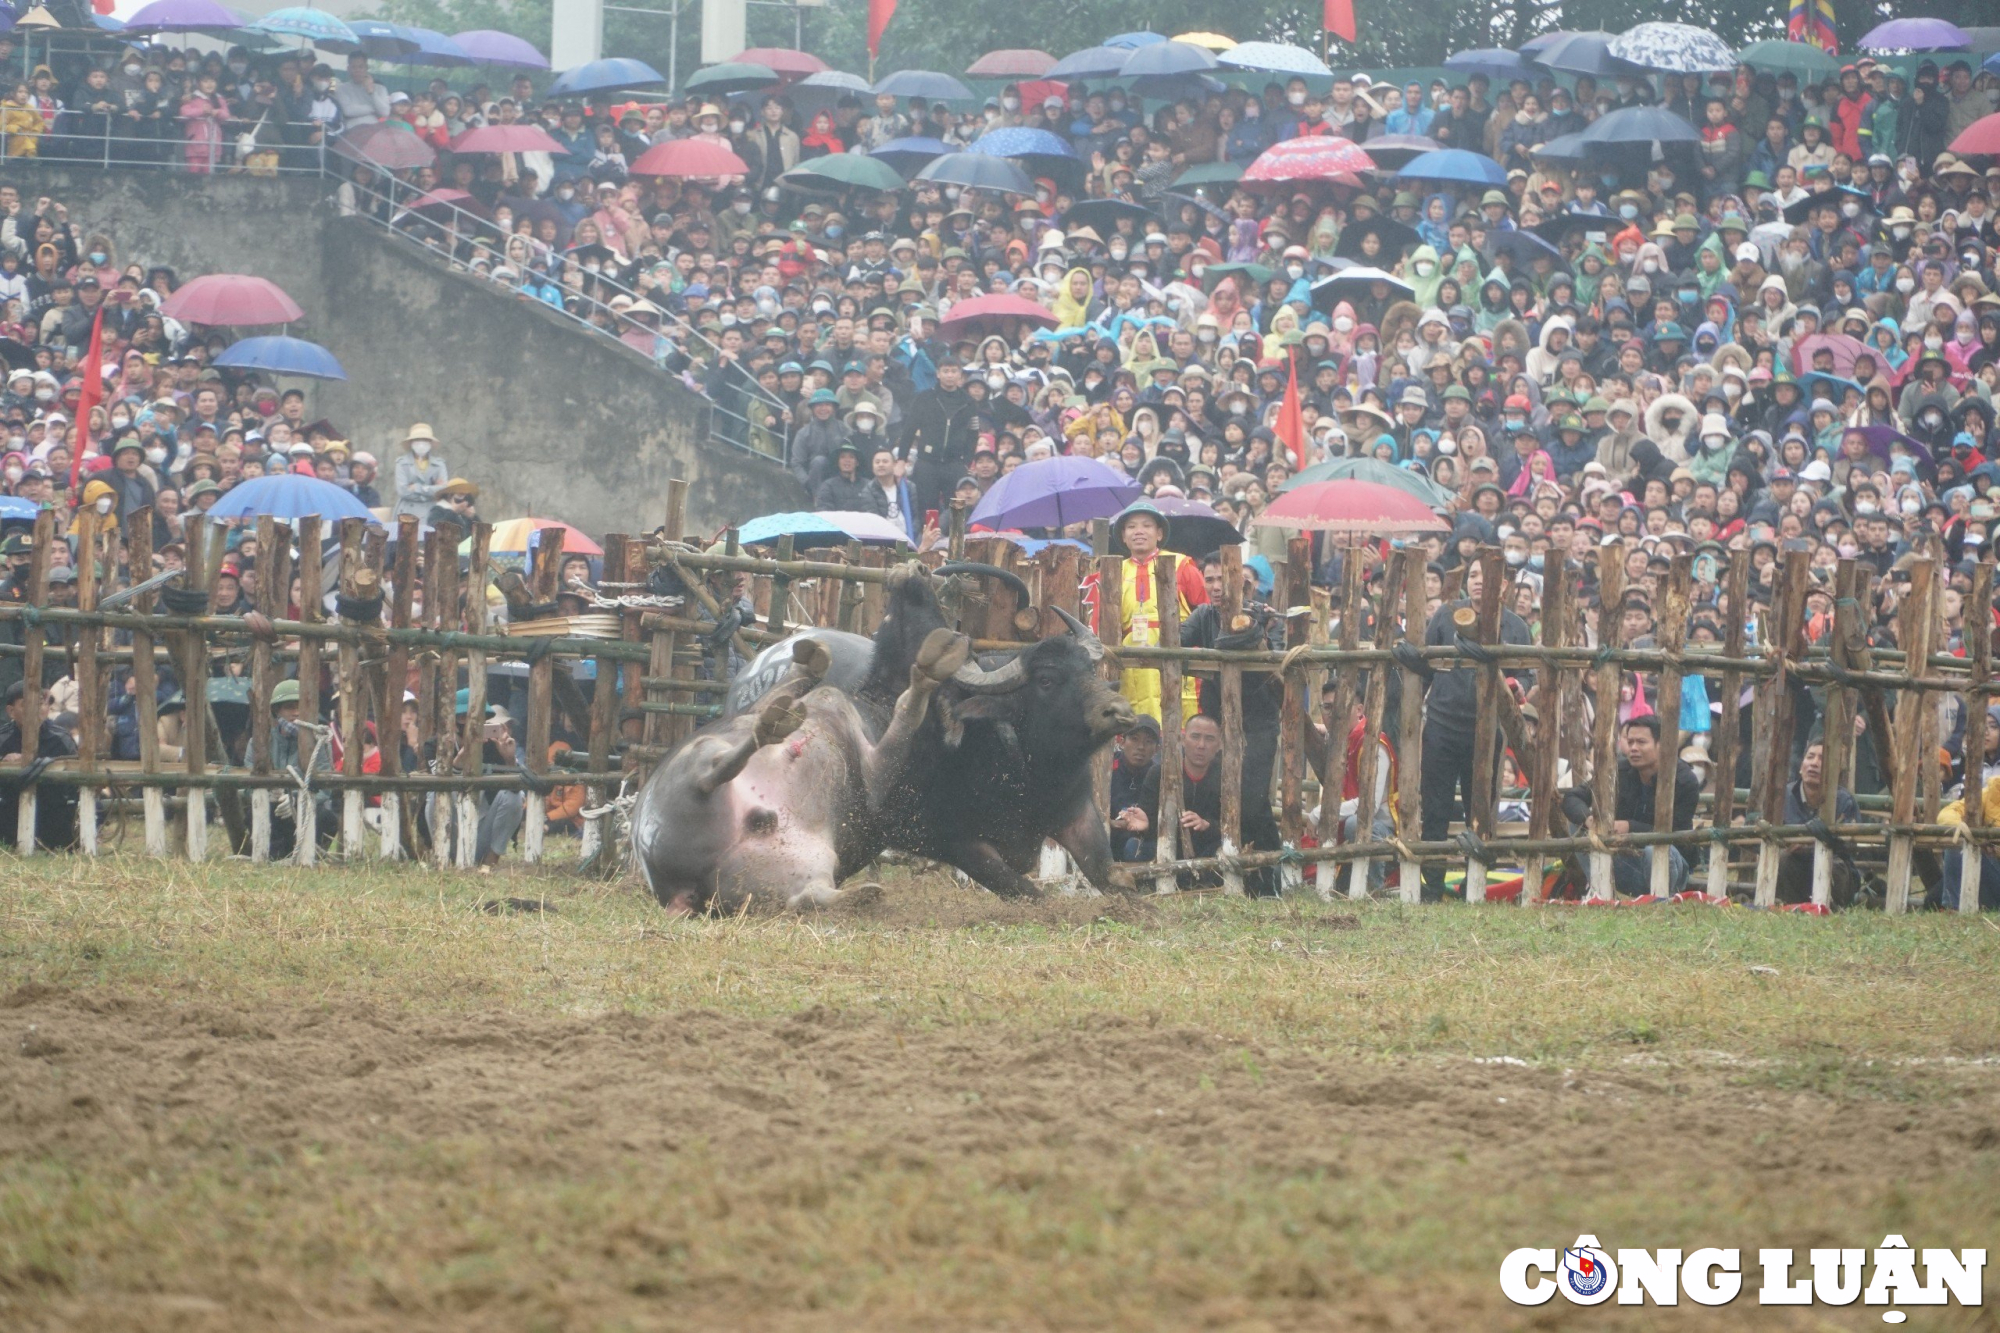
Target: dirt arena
column 396, row 1100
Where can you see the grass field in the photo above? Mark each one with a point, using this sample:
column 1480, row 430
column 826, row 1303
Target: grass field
column 374, row 1099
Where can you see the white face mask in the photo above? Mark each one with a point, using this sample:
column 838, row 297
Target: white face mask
column 1010, row 104
column 1447, row 445
column 1850, row 209
column 1651, row 266
column 1906, row 285
column 1933, row 342
column 156, row 456
column 1425, row 268
column 741, row 206
column 1295, row 271
column 104, row 505
column 1867, row 507
column 421, row 448
column 120, row 423
column 45, row 395
column 1911, row 507
column 1343, row 323
column 1296, row 99
column 13, row 474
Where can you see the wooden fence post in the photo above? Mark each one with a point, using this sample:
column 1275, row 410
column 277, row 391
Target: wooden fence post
column 1333, row 768
column 312, row 611
column 33, row 690
column 541, row 692
column 1228, row 614
column 1915, row 632
column 1736, row 591
column 200, row 577
column 146, row 681
column 596, row 850
column 1111, row 613
column 472, row 739
column 1979, row 661
column 399, row 814
column 1373, row 705
column 1486, row 736
column 1786, row 647
column 1836, row 728
column 1672, row 639
column 1604, row 723
column 89, row 687
column 1295, row 601
column 1410, row 734
column 1172, row 769
column 1558, row 617
column 356, row 583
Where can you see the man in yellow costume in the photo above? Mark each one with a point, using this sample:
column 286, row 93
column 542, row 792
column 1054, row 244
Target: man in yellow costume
column 1143, row 528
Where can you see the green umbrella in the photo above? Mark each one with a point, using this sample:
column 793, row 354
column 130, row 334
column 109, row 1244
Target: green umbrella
column 1806, row 61
column 730, row 78
column 1256, row 274
column 1375, row 470
column 837, row 171
column 1209, row 173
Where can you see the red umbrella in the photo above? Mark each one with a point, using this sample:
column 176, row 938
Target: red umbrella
column 507, row 139
column 988, row 314
column 1353, row 508
column 780, row 60
column 1038, row 91
column 390, row 144
column 1314, row 158
column 231, row 298
column 1016, row 63
column 1981, row 137
column 689, row 157
column 443, row 201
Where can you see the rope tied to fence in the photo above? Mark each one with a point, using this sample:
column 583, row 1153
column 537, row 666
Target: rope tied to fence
column 1293, row 656
column 1404, row 851
column 1410, row 658
column 1474, row 849
column 1832, row 841
column 358, row 610
column 1475, row 650
column 184, row 601
column 32, row 615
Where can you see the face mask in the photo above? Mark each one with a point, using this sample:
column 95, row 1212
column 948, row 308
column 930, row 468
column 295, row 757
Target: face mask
column 1295, row 271
column 741, row 206
column 1010, row 103
column 565, row 192
column 736, row 127
column 1343, row 323
column 1517, row 558
column 1933, row 342
column 45, row 395
column 13, row 475
column 1906, row 285
column 421, row 448
column 1425, row 268
column 104, row 505
column 120, row 423
column 1206, row 335
column 1296, row 99
column 1651, row 266
column 996, row 381
column 1850, row 209
column 1732, row 390
column 1714, row 442
column 1911, row 507
column 1251, row 112
column 1687, row 295
column 1516, row 423
column 835, row 231
column 156, row 456
column 1447, row 445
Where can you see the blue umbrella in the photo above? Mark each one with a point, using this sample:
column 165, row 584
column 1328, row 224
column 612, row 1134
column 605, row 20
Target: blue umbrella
column 1275, row 58
column 388, row 41
column 1093, row 62
column 1525, row 247
column 1534, row 46
column 290, row 496
column 283, row 356
column 979, row 171
column 104, row 21
column 1021, row 141
column 1168, row 58
column 833, row 528
column 615, row 74
column 435, row 49
column 1132, row 41
column 1582, row 53
column 1494, row 62
column 13, row 506
column 1173, row 87
column 1053, row 493
column 315, row 25
column 908, row 156
column 925, row 83
column 1563, row 148
column 1455, row 164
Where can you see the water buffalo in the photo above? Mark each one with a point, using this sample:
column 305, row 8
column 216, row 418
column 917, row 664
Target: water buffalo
column 781, row 804
column 1002, row 762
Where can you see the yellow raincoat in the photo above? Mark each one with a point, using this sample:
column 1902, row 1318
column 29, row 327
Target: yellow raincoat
column 1141, row 685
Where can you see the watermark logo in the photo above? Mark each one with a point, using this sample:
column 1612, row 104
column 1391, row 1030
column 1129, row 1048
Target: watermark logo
column 1586, row 1274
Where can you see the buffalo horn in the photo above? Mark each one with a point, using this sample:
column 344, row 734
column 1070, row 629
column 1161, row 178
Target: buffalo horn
column 1007, row 577
column 1091, row 643
column 997, row 681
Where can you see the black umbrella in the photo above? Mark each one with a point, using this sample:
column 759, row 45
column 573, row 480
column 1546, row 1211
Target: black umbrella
column 980, row 172
column 1582, row 53
column 1193, row 528
column 1396, row 239
column 1523, row 246
column 1203, row 204
column 1562, row 148
column 1832, row 197
column 1391, row 151
column 1562, row 226
column 1101, row 215
column 1637, row 125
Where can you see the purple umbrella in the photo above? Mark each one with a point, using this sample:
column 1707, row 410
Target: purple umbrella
column 1053, row 493
column 487, row 47
column 1881, row 437
column 1919, row 34
column 185, row 16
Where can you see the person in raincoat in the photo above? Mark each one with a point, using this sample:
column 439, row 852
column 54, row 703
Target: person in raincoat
column 1142, row 528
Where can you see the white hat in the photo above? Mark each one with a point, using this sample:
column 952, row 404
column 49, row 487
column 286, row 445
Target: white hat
column 1817, row 470
column 1749, row 254
column 1714, row 424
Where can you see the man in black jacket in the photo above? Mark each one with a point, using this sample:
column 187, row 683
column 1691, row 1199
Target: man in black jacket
column 938, row 437
column 55, row 806
column 1639, row 769
column 849, row 489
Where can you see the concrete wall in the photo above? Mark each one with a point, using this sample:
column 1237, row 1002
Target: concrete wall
column 549, row 419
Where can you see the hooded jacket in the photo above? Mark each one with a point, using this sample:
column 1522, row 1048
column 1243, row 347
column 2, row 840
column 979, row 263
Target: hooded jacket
column 1673, row 443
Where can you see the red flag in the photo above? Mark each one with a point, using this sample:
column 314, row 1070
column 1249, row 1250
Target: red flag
column 1340, row 19
column 879, row 14
column 1291, row 425
column 93, row 394
column 103, row 6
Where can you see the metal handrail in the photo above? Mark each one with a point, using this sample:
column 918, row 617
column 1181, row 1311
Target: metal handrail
column 165, row 151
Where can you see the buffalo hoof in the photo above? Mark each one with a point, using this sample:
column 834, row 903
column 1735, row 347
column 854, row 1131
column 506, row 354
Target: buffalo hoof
column 1120, row 881
column 943, row 653
column 780, row 717
column 812, row 657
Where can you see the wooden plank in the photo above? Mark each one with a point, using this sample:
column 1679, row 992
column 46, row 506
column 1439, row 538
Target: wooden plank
column 472, row 739
column 1372, row 707
column 262, row 680
column 194, row 684
column 312, row 611
column 1979, row 664
column 1333, row 768
column 274, row 588
column 1410, row 735
column 1111, row 608
column 1295, row 595
column 1736, row 591
column 1673, row 624
column 603, row 721
column 34, row 692
column 1229, row 619
column 429, row 687
column 1837, row 731
column 91, row 718
column 542, row 679
column 354, row 584
column 146, row 681
column 1486, row 726
column 1787, row 646
column 399, row 824
column 1558, row 620
column 1604, row 722
column 1916, row 632
column 1172, row 769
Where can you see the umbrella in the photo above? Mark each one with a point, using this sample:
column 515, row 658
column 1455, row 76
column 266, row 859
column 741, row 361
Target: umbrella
column 445, row 201
column 1494, row 62
column 782, row 59
column 735, row 77
column 1534, row 46
column 1193, row 528
column 1210, row 173
column 1525, row 247
column 1562, row 226
column 1844, row 349
column 389, row 144
column 1014, row 63
column 1167, row 58
column 615, row 74
column 1274, row 58
column 838, row 80
column 315, row 25
column 1881, row 437
column 1213, row 41
column 434, row 48
column 488, row 47
column 1581, row 53
column 1315, row 158
column 1562, row 148
column 517, row 534
column 283, row 356
column 1174, row 87
column 1981, row 138
column 1380, row 473
column 837, row 171
column 231, row 298
column 14, row 507
column 290, row 496
column 1355, row 283
column 389, row 41
column 1353, row 508
column 1396, row 150
column 1800, row 58
column 1455, row 164
column 1132, row 41
column 1915, row 34
column 1021, row 141
column 518, row 138
column 1093, row 62
column 1101, row 215
column 979, row 315
column 1054, row 493
column 1198, row 202
column 1637, row 125
column 1394, row 236
column 1254, row 274
column 925, row 83
column 1833, row 197
column 908, row 156
column 832, row 527
column 1678, row 48
column 978, row 171
column 1832, row 387
column 689, row 157
column 184, row 16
